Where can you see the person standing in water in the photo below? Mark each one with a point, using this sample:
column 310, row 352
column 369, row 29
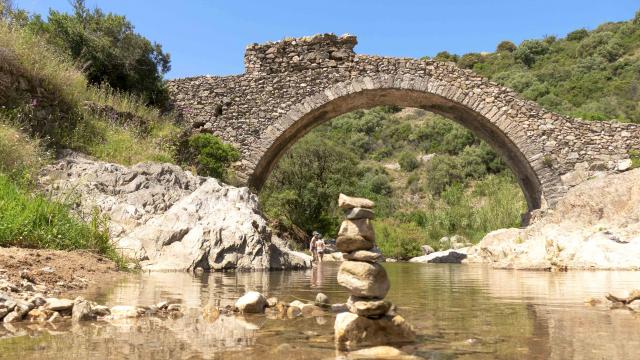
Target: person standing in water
column 312, row 246
column 320, row 247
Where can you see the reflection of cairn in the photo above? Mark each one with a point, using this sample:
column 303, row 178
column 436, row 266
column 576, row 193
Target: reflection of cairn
column 371, row 319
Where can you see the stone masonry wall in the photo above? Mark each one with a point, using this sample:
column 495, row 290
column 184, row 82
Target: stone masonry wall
column 292, row 85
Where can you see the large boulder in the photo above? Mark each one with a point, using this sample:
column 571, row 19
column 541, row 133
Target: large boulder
column 358, row 227
column 443, row 257
column 170, row 219
column 364, row 279
column 252, row 302
column 347, row 244
column 595, row 226
column 348, row 202
column 352, row 330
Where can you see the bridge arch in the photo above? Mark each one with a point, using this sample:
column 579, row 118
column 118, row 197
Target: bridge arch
column 293, row 85
column 487, row 122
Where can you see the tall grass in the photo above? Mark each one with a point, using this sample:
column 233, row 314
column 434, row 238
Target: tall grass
column 33, row 221
column 48, row 94
column 494, row 202
column 20, row 156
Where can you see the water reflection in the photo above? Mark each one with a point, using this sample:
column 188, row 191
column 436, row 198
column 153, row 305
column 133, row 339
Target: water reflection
column 461, row 312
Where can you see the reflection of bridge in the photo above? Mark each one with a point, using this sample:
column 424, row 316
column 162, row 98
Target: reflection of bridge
column 293, row 85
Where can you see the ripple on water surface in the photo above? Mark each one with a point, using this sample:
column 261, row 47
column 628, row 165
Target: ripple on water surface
column 459, row 311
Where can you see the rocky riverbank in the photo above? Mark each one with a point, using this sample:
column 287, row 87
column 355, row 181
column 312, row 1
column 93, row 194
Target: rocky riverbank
column 54, row 272
column 595, row 226
column 169, row 219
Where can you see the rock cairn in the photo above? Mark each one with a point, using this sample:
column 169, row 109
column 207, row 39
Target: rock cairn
column 371, row 320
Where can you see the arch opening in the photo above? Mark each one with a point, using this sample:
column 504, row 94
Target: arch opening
column 478, row 124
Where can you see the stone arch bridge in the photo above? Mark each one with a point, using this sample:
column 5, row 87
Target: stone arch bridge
column 293, row 85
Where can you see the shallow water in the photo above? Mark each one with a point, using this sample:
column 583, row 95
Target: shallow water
column 459, row 312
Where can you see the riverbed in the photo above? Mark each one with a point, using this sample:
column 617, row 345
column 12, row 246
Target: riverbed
column 458, row 311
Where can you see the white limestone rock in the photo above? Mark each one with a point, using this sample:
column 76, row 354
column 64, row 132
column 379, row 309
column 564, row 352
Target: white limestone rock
column 170, row 219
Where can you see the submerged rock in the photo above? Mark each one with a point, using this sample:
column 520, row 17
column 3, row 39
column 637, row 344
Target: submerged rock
column 82, row 311
column 252, row 302
column 170, row 219
column 381, row 352
column 352, row 330
column 442, row 257
column 322, row 300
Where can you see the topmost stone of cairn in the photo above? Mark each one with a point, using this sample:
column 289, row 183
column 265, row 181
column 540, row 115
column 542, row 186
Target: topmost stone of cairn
column 348, row 202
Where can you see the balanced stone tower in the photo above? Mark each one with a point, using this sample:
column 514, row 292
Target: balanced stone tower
column 371, row 320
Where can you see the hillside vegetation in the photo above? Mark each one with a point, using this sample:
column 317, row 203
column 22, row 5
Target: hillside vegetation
column 432, row 178
column 46, row 104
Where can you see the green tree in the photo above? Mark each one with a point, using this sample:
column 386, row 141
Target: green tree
column 213, row 157
column 304, row 186
column 108, row 49
column 530, row 51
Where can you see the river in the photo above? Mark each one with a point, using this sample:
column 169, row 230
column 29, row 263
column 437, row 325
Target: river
column 459, row 312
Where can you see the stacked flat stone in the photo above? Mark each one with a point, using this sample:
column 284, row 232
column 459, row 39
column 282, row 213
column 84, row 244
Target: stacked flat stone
column 366, row 280
column 370, row 319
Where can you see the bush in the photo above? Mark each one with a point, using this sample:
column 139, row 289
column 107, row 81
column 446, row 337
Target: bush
column 506, row 46
column 399, row 240
column 467, row 61
column 446, row 56
column 212, row 156
column 408, row 161
column 108, row 49
column 443, row 171
column 577, row 35
column 530, row 51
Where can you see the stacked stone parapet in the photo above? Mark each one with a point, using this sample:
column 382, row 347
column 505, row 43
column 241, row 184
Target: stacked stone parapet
column 314, row 52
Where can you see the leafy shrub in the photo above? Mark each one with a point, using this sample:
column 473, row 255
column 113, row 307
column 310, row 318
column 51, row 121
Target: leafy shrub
column 577, row 35
column 468, row 61
column 506, row 46
column 530, row 51
column 212, row 156
column 408, row 161
column 109, row 49
column 446, row 56
column 400, row 240
column 443, row 171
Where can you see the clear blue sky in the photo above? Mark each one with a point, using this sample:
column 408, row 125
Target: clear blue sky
column 209, row 36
